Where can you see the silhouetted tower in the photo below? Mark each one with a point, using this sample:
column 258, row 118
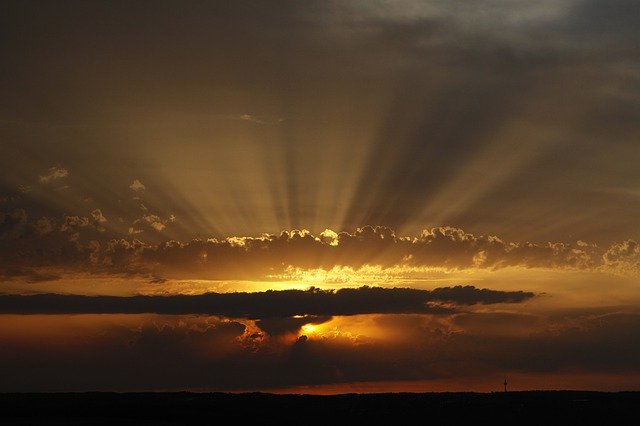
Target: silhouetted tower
column 505, row 384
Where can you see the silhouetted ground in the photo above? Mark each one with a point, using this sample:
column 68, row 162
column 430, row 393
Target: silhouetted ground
column 565, row 407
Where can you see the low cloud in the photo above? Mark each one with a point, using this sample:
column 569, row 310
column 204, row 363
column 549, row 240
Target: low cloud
column 268, row 304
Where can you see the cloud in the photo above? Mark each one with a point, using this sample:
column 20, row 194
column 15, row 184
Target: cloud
column 134, row 231
column 443, row 247
column 169, row 336
column 54, row 173
column 137, row 186
column 13, row 224
column 26, row 274
column 623, row 257
column 187, row 352
column 413, row 71
column 275, row 326
column 289, row 255
column 151, row 222
column 493, row 323
column 74, row 223
column 580, row 343
column 154, row 221
column 269, row 304
column 45, row 225
column 98, row 217
column 260, row 119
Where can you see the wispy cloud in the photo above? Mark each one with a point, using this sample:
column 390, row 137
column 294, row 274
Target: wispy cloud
column 260, row 119
column 54, row 173
column 137, row 186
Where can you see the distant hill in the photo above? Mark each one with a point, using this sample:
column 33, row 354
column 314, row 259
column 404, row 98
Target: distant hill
column 560, row 407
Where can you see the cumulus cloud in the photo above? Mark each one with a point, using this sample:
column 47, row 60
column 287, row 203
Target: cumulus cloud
column 623, row 257
column 150, row 222
column 154, row 221
column 269, row 304
column 98, row 220
column 73, row 223
column 98, row 217
column 443, row 247
column 288, row 254
column 137, row 186
column 54, row 173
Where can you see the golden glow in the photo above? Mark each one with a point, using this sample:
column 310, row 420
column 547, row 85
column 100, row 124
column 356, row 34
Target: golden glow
column 557, row 289
column 308, row 329
column 346, row 276
column 517, row 382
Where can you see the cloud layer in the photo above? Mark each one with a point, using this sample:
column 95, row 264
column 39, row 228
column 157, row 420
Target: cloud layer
column 269, row 304
column 89, row 244
column 218, row 354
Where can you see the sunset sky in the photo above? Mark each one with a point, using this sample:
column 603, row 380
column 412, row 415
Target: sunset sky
column 319, row 196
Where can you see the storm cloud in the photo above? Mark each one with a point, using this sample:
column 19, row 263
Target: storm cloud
column 217, row 354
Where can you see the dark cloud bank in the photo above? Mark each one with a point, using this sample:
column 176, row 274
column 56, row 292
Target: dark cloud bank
column 285, row 303
column 211, row 353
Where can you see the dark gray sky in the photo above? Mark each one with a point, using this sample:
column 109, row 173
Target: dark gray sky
column 512, row 118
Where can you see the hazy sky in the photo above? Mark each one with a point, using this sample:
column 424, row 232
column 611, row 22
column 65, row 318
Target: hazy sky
column 172, row 148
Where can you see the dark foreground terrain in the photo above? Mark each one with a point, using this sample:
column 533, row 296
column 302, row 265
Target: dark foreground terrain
column 566, row 407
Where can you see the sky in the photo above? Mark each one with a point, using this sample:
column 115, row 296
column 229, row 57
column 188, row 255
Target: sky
column 319, row 196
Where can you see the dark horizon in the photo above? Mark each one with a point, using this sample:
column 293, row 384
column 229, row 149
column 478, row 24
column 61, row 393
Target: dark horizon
column 181, row 408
